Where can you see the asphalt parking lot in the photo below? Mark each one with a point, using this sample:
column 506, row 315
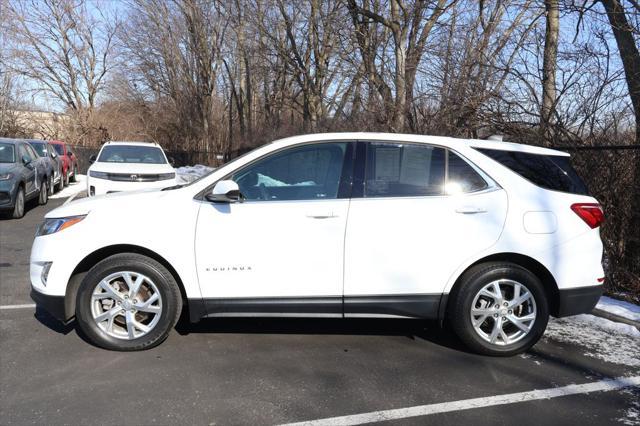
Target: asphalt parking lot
column 259, row 371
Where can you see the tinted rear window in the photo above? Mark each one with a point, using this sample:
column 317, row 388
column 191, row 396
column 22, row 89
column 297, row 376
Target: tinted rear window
column 547, row 171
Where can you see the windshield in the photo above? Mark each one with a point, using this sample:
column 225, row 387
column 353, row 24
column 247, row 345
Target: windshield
column 132, row 154
column 40, row 147
column 59, row 148
column 7, row 153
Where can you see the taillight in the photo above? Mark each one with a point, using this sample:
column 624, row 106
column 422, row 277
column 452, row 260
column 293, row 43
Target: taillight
column 591, row 213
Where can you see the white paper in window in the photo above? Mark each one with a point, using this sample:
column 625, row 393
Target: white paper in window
column 416, row 165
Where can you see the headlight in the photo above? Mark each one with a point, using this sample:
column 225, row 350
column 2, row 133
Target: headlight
column 165, row 176
column 49, row 226
column 99, row 175
column 6, row 176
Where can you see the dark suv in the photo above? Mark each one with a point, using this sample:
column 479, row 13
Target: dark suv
column 22, row 176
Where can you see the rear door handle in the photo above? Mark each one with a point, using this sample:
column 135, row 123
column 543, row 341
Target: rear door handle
column 470, row 210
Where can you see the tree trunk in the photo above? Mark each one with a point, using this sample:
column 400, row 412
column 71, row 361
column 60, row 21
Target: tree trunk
column 549, row 68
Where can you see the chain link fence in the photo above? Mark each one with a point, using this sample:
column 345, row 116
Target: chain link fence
column 611, row 175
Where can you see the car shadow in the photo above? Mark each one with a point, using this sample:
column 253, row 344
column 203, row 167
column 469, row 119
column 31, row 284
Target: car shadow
column 52, row 323
column 28, row 206
column 429, row 331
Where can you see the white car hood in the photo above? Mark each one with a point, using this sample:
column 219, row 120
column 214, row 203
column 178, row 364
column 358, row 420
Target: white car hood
column 132, row 168
column 116, row 202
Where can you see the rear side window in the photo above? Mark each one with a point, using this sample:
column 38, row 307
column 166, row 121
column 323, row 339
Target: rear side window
column 404, row 170
column 547, row 171
column 461, row 177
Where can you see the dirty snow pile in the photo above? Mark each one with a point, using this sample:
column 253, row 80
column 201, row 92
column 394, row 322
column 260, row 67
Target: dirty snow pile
column 618, row 307
column 74, row 187
column 603, row 339
column 187, row 174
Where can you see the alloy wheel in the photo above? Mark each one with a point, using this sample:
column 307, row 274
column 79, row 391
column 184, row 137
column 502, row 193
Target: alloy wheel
column 503, row 312
column 126, row 305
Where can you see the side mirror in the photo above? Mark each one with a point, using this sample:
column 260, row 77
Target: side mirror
column 26, row 160
column 93, row 159
column 225, row 191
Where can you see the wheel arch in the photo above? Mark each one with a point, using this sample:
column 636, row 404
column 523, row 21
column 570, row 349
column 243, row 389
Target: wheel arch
column 98, row 255
column 538, row 269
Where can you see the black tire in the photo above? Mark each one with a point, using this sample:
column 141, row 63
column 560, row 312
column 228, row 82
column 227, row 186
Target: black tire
column 18, row 208
column 164, row 281
column 60, row 183
column 75, row 172
column 51, row 186
column 65, row 178
column 43, row 197
column 461, row 299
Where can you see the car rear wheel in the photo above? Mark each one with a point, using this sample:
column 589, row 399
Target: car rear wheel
column 75, row 173
column 51, row 186
column 43, row 198
column 128, row 302
column 499, row 309
column 18, row 208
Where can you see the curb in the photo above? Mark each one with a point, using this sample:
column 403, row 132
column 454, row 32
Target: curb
column 614, row 317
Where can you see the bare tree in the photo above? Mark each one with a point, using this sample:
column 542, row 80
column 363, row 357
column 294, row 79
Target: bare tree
column 410, row 28
column 549, row 66
column 64, row 47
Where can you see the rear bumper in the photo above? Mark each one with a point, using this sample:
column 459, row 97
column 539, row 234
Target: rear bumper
column 54, row 305
column 578, row 300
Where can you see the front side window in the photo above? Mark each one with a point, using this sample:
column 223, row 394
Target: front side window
column 22, row 150
column 309, row 172
column 31, row 152
column 40, row 147
column 59, row 148
column 404, row 170
column 131, row 154
column 7, row 153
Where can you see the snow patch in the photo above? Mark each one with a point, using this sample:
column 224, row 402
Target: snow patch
column 74, row 187
column 603, row 339
column 618, row 307
column 631, row 414
column 188, row 174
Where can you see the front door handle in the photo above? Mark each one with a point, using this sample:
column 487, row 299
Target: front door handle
column 321, row 215
column 470, row 210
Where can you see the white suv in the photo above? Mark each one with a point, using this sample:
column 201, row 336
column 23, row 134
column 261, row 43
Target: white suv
column 491, row 237
column 129, row 166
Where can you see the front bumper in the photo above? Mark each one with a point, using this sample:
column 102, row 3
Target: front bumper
column 104, row 186
column 55, row 305
column 578, row 300
column 7, row 194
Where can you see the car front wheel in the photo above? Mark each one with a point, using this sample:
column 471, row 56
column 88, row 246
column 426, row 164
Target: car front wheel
column 499, row 309
column 43, row 198
column 18, row 208
column 75, row 173
column 128, row 302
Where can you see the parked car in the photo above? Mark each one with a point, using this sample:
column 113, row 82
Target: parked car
column 23, row 176
column 490, row 237
column 53, row 164
column 129, row 166
column 69, row 161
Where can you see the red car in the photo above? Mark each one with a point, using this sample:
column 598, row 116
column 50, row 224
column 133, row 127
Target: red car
column 69, row 161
